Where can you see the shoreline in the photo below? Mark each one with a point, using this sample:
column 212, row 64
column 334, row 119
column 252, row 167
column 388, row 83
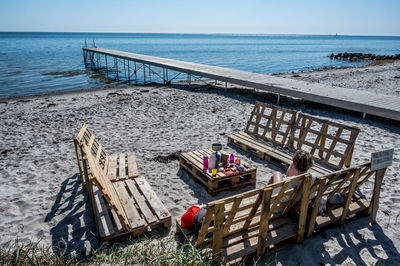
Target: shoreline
column 117, row 85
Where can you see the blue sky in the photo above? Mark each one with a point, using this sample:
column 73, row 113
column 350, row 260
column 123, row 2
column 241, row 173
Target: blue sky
column 368, row 17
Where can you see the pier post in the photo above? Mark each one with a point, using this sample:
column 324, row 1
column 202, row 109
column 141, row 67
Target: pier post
column 226, row 86
column 279, row 97
column 163, row 75
column 105, row 56
column 364, row 115
column 116, row 66
column 189, row 79
column 215, row 84
column 135, row 72
column 144, row 74
column 149, row 73
column 166, row 73
column 129, row 73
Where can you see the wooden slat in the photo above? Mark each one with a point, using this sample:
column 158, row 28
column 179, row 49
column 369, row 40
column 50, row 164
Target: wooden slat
column 141, row 201
column 151, row 197
column 132, row 166
column 133, row 216
column 112, row 167
column 122, row 166
column 105, row 226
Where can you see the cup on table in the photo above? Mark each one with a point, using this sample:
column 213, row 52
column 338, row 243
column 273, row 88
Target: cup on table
column 214, row 171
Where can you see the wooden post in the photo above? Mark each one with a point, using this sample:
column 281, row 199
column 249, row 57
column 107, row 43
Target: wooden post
column 215, row 84
column 85, row 168
column 316, row 203
column 166, row 74
column 135, row 72
column 323, row 139
column 377, row 190
column 304, row 207
column 105, row 56
column 352, row 189
column 226, row 86
column 163, row 75
column 264, row 219
column 188, row 79
column 279, row 97
column 218, row 226
column 149, row 73
column 79, row 163
column 347, row 163
column 303, row 125
column 144, row 74
column 129, row 73
column 116, row 67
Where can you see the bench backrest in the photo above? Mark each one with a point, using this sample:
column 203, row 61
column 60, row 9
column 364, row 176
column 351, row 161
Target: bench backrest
column 271, row 123
column 86, row 138
column 92, row 162
column 254, row 210
column 345, row 182
column 96, row 174
column 329, row 143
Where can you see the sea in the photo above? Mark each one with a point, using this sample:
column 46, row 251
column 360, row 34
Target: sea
column 43, row 62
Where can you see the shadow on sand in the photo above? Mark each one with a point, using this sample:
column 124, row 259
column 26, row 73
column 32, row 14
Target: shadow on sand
column 75, row 230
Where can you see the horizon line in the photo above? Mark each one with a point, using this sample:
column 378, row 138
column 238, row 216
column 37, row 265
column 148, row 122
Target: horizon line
column 205, row 33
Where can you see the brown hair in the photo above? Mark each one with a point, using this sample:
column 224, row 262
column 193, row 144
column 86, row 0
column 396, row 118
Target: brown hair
column 303, row 161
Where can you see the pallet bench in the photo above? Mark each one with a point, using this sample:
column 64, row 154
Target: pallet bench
column 193, row 163
column 345, row 182
column 275, row 133
column 251, row 222
column 122, row 202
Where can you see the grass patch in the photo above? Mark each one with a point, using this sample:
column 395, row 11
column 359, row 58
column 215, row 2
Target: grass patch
column 145, row 251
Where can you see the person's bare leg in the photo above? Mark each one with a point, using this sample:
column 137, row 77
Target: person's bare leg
column 275, row 178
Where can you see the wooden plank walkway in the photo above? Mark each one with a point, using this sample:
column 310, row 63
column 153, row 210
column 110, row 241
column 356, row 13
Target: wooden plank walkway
column 349, row 99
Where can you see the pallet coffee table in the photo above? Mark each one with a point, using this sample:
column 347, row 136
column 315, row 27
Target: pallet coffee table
column 193, row 163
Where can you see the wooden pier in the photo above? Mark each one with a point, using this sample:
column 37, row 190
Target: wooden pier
column 349, row 99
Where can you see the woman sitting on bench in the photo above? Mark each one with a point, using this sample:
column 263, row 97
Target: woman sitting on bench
column 301, row 162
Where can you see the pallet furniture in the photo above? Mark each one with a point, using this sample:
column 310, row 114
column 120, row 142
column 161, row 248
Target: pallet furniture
column 122, row 202
column 275, row 133
column 346, row 182
column 193, row 163
column 250, row 222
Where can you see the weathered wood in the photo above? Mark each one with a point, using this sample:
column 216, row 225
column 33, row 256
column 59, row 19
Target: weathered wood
column 377, row 190
column 219, row 209
column 246, row 222
column 264, row 219
column 193, row 163
column 350, row 195
column 128, row 202
column 304, row 207
column 350, row 99
column 344, row 182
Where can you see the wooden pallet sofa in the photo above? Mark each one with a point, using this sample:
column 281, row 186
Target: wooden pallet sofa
column 122, row 202
column 275, row 133
column 250, row 222
column 347, row 183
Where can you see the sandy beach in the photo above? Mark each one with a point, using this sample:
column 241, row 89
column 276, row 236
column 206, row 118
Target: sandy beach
column 41, row 197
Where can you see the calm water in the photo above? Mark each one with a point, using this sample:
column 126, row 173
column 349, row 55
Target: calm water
column 28, row 60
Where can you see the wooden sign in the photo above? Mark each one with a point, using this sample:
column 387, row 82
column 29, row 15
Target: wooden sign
column 381, row 159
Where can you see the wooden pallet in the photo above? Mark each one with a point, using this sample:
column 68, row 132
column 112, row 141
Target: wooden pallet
column 193, row 163
column 345, row 182
column 122, row 202
column 250, row 222
column 273, row 154
column 137, row 195
column 275, row 134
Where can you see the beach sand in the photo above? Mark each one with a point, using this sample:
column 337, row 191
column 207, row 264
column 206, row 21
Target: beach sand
column 41, row 197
